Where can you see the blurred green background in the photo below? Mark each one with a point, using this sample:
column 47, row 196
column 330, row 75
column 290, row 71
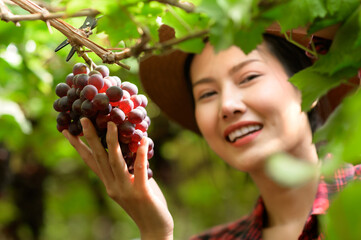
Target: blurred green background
column 47, row 192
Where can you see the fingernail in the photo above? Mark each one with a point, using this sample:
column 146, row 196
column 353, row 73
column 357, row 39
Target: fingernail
column 65, row 133
column 84, row 123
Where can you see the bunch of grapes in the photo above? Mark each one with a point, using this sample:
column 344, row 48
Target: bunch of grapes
column 103, row 98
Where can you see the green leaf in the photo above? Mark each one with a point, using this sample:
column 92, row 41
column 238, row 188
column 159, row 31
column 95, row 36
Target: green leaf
column 118, row 27
column 248, row 39
column 343, row 220
column 289, row 171
column 345, row 50
column 313, row 85
column 184, row 23
column 192, row 46
column 342, row 130
column 297, row 13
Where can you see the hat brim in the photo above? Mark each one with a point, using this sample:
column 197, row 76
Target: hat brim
column 163, row 78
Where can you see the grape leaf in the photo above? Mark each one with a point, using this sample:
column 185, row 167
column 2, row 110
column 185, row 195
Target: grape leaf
column 185, row 24
column 343, row 128
column 344, row 216
column 296, row 13
column 289, row 171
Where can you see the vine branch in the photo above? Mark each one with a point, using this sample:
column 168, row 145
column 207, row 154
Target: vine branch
column 186, row 6
column 78, row 37
column 7, row 16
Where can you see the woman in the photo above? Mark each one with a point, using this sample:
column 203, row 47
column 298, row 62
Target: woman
column 247, row 110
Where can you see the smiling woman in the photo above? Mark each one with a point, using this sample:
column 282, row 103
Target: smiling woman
column 247, row 110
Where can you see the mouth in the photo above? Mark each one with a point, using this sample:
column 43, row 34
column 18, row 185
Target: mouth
column 243, row 132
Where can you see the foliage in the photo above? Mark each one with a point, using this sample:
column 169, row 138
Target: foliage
column 74, row 202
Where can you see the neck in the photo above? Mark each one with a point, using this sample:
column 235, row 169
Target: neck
column 286, row 205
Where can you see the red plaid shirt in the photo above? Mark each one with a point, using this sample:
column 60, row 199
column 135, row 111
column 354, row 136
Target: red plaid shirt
column 250, row 227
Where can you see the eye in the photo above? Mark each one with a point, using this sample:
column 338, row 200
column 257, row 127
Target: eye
column 249, row 78
column 206, row 95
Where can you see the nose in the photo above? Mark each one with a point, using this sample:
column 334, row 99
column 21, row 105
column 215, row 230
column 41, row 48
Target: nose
column 232, row 105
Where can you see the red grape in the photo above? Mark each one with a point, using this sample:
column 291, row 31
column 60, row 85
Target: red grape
column 72, row 96
column 144, row 100
column 126, row 128
column 81, row 80
column 137, row 100
column 61, row 127
column 64, row 104
column 87, row 109
column 107, row 84
column 56, row 105
column 80, row 68
column 97, row 81
column 136, row 116
column 101, row 101
column 143, row 126
column 62, row 89
column 130, row 87
column 117, row 116
column 69, row 79
column 104, row 70
column 105, row 111
column 74, row 128
column 137, row 135
column 89, row 92
column 102, row 121
column 133, row 146
column 150, row 154
column 114, row 93
column 63, row 118
column 126, row 105
column 76, row 107
column 126, row 94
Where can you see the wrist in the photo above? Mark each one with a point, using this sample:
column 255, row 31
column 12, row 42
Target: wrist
column 152, row 236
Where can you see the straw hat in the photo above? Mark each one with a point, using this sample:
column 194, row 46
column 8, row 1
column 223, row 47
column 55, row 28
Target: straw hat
column 163, row 78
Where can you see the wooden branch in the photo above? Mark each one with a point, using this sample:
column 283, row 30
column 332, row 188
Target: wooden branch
column 78, row 37
column 186, row 6
column 45, row 16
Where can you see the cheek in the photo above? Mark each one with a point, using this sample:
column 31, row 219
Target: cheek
column 205, row 117
column 273, row 98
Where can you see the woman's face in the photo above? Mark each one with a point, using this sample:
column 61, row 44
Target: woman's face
column 246, row 108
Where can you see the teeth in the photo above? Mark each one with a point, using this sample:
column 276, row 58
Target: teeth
column 242, row 132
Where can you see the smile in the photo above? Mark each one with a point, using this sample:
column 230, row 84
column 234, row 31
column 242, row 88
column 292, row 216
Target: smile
column 242, row 132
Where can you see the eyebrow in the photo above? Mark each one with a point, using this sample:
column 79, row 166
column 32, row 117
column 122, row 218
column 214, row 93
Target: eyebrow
column 231, row 71
column 241, row 65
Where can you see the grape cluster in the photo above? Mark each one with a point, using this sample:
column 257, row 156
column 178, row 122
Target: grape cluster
column 103, row 98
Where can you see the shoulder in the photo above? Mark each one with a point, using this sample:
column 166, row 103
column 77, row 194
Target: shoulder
column 342, row 177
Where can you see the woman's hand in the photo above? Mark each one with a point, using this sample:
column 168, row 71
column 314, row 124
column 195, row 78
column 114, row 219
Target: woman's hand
column 139, row 197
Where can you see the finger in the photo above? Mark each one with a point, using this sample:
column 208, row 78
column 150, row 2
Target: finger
column 98, row 151
column 83, row 150
column 140, row 164
column 116, row 160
